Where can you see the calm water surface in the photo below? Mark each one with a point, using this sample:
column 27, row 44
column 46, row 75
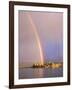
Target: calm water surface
column 25, row 73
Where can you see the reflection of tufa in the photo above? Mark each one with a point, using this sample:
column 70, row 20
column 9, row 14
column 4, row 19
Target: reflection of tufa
column 48, row 65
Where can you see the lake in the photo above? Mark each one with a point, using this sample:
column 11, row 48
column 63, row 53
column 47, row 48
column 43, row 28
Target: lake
column 26, row 73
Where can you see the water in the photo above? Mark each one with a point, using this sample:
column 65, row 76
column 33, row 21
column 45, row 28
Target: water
column 26, row 73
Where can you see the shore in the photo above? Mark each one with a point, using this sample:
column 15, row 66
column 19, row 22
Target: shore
column 46, row 65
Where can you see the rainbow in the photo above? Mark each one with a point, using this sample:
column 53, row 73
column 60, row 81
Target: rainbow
column 37, row 38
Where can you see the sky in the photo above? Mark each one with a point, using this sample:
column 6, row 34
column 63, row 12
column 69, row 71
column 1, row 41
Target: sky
column 40, row 37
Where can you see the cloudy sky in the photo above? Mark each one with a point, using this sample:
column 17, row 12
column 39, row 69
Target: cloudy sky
column 47, row 27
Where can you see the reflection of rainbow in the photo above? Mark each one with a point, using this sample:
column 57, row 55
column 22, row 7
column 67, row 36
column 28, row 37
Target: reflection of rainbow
column 37, row 37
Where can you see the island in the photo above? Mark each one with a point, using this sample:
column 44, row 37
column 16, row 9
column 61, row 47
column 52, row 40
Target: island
column 48, row 65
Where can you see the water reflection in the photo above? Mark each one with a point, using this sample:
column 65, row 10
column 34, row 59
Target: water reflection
column 25, row 73
column 38, row 72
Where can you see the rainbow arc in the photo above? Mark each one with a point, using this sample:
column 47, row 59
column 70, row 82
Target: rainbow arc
column 37, row 37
